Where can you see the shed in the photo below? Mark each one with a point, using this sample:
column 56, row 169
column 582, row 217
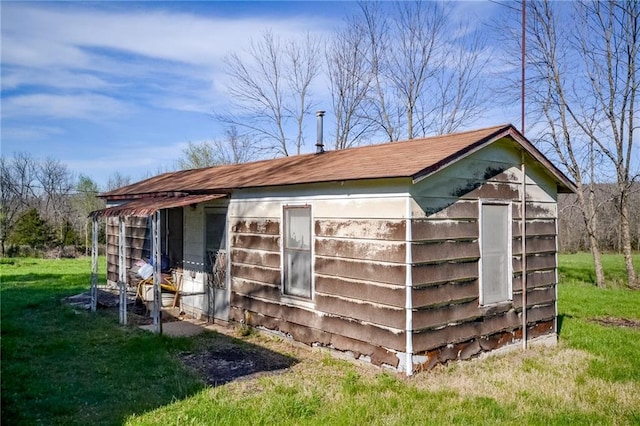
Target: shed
column 406, row 254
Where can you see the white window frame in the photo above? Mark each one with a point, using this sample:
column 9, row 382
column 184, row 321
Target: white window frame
column 509, row 206
column 287, row 297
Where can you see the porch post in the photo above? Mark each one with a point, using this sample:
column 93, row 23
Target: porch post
column 122, row 273
column 94, row 265
column 157, row 273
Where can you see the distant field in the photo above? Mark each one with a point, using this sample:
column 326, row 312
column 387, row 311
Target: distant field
column 62, row 366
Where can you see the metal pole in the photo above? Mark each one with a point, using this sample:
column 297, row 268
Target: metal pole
column 157, row 273
column 524, row 8
column 122, row 274
column 523, row 249
column 94, row 265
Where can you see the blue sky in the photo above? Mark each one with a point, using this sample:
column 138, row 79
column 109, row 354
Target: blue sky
column 124, row 86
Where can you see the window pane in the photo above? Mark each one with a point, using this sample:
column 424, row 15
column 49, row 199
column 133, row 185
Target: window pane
column 298, row 273
column 495, row 253
column 297, row 251
column 298, row 228
column 215, row 227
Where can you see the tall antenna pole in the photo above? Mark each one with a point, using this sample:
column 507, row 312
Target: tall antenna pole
column 523, row 200
column 524, row 8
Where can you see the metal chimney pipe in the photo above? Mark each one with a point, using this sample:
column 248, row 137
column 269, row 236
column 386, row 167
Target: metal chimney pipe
column 319, row 143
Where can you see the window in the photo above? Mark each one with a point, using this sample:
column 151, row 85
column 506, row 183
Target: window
column 297, row 251
column 495, row 253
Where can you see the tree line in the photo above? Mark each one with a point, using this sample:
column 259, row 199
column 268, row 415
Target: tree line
column 403, row 70
column 45, row 207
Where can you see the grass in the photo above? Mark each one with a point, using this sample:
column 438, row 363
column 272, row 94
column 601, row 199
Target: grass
column 61, row 366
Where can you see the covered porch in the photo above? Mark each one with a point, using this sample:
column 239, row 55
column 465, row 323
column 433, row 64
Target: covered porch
column 169, row 252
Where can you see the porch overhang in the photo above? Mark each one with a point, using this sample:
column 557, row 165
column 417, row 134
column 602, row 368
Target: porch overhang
column 143, row 207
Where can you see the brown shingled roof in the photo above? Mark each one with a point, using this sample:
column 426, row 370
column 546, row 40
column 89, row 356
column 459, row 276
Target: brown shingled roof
column 411, row 159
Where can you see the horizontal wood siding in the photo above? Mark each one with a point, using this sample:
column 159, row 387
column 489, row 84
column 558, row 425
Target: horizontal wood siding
column 359, row 278
column 360, row 270
column 448, row 322
column 297, row 320
column 135, row 232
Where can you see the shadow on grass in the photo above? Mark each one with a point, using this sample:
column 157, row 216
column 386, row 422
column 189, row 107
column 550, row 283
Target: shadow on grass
column 222, row 359
column 561, row 318
column 62, row 365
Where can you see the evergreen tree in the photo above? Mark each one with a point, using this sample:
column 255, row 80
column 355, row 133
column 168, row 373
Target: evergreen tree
column 31, row 230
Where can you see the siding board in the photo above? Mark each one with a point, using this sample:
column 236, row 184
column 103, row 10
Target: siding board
column 443, row 315
column 535, row 279
column 256, row 242
column 386, row 230
column 444, row 251
column 431, row 230
column 253, row 257
column 444, row 294
column 255, row 289
column 536, row 262
column 256, row 273
column 356, row 269
column 361, row 249
column 388, row 295
column 444, row 272
column 256, row 226
column 536, row 296
column 535, row 245
column 361, row 311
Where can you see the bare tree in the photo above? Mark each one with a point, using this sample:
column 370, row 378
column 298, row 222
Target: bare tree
column 547, row 51
column 117, row 180
column 349, row 82
column 234, row 148
column 582, row 85
column 56, row 184
column 383, row 109
column 270, row 85
column 419, row 30
column 459, row 92
column 17, row 192
column 608, row 44
column 426, row 74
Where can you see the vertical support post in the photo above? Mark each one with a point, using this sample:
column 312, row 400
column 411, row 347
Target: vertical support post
column 122, row 270
column 523, row 248
column 408, row 289
column 94, row 265
column 157, row 272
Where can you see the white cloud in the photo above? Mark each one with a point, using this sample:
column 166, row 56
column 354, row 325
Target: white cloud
column 31, row 133
column 42, row 35
column 73, row 59
column 91, row 107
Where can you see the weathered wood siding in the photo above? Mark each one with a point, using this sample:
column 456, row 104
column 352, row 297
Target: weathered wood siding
column 448, row 321
column 358, row 270
column 135, row 232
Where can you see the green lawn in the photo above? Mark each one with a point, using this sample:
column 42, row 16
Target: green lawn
column 62, row 366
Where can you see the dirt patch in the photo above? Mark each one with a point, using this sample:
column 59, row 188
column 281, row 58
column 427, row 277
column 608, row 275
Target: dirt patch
column 230, row 359
column 617, row 322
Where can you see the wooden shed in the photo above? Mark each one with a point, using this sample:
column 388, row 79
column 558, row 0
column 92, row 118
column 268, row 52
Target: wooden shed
column 406, row 254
